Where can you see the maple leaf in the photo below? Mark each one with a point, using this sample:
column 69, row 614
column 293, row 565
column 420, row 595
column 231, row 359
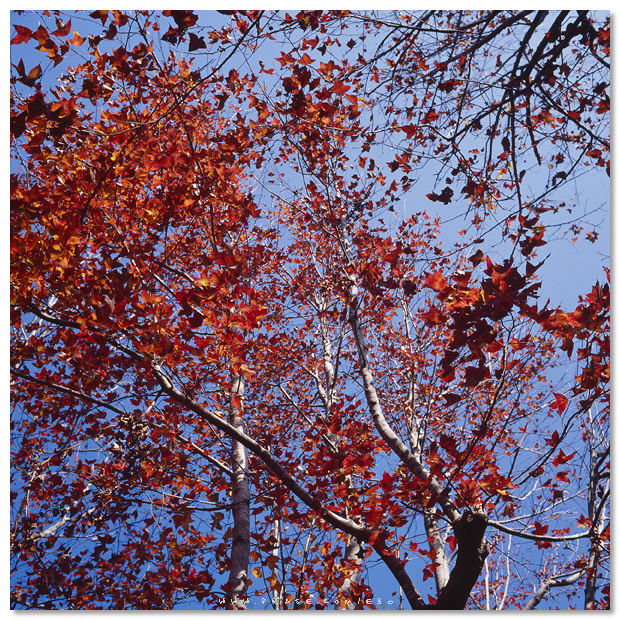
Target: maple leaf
column 428, row 571
column 584, row 521
column 196, row 42
column 23, row 35
column 340, row 88
column 445, row 196
column 560, row 403
column 305, row 60
column 562, row 458
column 387, row 482
column 448, row 86
column 554, row 440
column 434, row 316
column 409, row 287
column 77, row 40
column 436, row 281
column 451, row 399
column 101, row 15
column 430, row 117
column 539, row 529
column 62, row 28
column 475, row 374
column 32, row 77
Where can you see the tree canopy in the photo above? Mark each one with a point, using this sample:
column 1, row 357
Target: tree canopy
column 283, row 330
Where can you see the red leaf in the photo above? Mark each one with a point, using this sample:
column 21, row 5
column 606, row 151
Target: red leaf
column 387, row 482
column 196, row 42
column 554, row 441
column 445, row 196
column 434, row 316
column 77, row 39
column 539, row 529
column 584, row 521
column 57, row 429
column 560, row 403
column 476, row 258
column 33, row 75
column 430, row 117
column 448, row 85
column 451, row 399
column 495, row 346
column 475, row 374
column 562, row 458
column 23, row 35
column 409, row 287
column 352, row 100
column 63, row 29
column 102, row 15
column 19, row 67
column 437, row 281
column 340, row 88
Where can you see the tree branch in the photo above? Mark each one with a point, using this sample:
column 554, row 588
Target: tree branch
column 472, row 551
column 371, row 537
column 240, row 548
column 553, row 582
column 521, row 534
column 413, row 464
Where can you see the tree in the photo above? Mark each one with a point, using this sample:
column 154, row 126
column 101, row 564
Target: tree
column 246, row 371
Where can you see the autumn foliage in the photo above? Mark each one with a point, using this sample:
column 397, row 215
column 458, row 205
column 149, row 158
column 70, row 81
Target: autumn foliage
column 282, row 326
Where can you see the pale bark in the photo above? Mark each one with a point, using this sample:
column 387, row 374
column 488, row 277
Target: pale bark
column 348, row 526
column 553, row 582
column 353, row 548
column 278, row 592
column 413, row 464
column 470, row 526
column 596, row 514
column 353, row 563
column 437, row 545
column 240, row 549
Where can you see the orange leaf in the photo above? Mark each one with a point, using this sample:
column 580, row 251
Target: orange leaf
column 340, row 88
column 77, row 39
column 560, row 403
column 437, row 281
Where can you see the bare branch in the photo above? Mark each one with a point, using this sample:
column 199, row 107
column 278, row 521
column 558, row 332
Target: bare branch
column 553, row 582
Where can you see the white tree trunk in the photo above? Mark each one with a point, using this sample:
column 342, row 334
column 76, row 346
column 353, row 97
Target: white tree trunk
column 240, row 550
